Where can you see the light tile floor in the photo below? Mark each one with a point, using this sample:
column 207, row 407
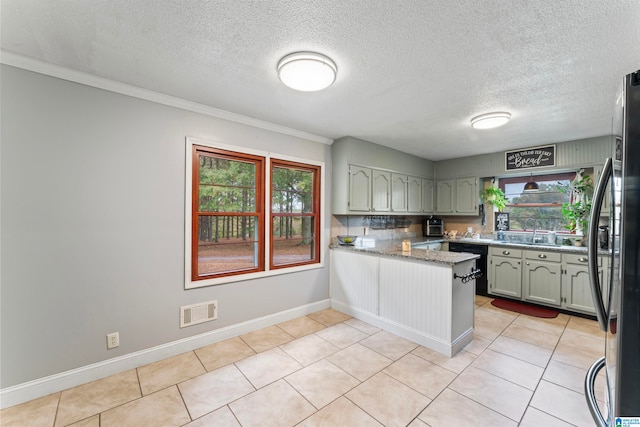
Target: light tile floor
column 328, row 369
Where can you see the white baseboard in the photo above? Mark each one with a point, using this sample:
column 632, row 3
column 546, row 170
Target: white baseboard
column 419, row 337
column 25, row 392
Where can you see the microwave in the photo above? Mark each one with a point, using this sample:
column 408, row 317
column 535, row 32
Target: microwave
column 432, row 227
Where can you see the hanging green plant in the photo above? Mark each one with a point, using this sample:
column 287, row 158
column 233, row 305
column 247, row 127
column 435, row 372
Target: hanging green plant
column 576, row 212
column 495, row 196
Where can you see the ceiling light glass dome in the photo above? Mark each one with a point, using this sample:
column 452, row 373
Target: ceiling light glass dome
column 490, row 120
column 307, row 71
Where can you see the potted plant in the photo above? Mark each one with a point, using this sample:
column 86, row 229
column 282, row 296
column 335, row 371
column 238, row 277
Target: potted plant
column 495, row 196
column 576, row 211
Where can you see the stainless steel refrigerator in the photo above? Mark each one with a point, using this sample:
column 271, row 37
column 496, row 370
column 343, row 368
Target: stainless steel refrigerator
column 617, row 301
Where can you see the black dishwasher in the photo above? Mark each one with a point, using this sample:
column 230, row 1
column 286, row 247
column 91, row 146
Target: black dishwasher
column 481, row 263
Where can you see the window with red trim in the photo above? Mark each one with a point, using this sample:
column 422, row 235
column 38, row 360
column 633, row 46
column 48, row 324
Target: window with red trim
column 227, row 213
column 295, row 210
column 232, row 225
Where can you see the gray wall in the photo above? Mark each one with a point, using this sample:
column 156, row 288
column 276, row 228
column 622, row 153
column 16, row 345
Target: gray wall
column 92, row 196
column 569, row 155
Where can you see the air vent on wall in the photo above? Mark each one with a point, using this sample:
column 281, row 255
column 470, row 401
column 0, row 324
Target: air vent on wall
column 198, row 313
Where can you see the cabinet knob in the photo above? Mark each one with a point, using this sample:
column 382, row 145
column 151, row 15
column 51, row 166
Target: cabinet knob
column 506, row 252
column 518, row 262
column 542, row 256
column 583, row 259
column 528, row 263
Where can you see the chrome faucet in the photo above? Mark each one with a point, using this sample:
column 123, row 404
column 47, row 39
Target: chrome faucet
column 534, row 238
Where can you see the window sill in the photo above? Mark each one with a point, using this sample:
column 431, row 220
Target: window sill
column 189, row 284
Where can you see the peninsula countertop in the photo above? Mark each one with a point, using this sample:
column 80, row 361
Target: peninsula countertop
column 393, row 248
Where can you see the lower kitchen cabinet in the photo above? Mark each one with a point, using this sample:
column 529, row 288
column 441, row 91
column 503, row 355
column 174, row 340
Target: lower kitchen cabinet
column 576, row 286
column 542, row 277
column 548, row 278
column 505, row 272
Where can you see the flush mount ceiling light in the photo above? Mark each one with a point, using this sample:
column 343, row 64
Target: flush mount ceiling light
column 307, row 71
column 490, row 120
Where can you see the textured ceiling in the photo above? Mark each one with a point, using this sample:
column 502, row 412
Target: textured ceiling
column 411, row 73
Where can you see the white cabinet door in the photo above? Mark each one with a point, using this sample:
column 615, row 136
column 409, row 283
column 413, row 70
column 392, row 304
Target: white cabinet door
column 445, row 189
column 576, row 289
column 576, row 286
column 427, row 196
column 542, row 282
column 467, row 196
column 398, row 193
column 354, row 280
column 414, row 194
column 505, row 277
column 359, row 189
column 381, row 188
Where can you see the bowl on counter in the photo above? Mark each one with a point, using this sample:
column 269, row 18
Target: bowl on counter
column 347, row 240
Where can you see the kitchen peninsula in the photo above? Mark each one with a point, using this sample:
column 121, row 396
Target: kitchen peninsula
column 417, row 294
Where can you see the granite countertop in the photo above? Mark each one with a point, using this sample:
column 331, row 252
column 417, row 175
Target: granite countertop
column 527, row 246
column 393, row 248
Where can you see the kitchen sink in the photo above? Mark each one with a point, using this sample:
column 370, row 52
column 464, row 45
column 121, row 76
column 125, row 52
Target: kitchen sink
column 550, row 245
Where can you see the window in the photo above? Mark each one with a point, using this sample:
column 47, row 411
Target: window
column 294, row 213
column 540, row 210
column 227, row 220
column 251, row 215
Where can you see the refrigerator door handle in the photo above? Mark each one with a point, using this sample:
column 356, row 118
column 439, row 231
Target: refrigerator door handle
column 589, row 392
column 598, row 196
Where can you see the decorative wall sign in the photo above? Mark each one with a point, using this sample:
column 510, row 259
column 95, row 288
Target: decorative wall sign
column 534, row 157
column 502, row 221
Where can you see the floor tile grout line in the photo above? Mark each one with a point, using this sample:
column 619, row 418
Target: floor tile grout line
column 566, row 329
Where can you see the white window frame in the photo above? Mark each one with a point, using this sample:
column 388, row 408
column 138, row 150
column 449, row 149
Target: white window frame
column 190, row 284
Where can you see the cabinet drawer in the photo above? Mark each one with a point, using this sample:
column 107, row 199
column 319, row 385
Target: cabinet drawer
column 506, row 252
column 580, row 259
column 543, row 256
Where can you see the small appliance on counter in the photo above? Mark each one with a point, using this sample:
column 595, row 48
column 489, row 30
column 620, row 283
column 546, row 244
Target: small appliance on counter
column 603, row 236
column 432, row 227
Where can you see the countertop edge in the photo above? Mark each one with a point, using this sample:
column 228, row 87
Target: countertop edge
column 424, row 255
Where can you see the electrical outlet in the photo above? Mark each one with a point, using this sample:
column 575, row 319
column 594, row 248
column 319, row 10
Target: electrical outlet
column 113, row 340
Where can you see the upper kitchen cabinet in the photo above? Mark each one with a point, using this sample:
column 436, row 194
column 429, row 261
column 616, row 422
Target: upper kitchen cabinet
column 428, row 200
column 360, row 183
column 368, row 178
column 457, row 196
column 381, row 188
column 399, row 193
column 467, row 196
column 445, row 193
column 369, row 190
column 414, row 194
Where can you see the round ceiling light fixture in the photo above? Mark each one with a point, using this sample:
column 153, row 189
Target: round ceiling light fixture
column 490, row 120
column 307, row 71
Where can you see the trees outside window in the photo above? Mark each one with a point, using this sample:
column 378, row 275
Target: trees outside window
column 542, row 209
column 227, row 219
column 231, row 224
column 294, row 213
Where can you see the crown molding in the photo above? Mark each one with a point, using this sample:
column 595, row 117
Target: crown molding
column 46, row 68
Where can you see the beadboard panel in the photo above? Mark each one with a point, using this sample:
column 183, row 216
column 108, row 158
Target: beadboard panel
column 419, row 301
column 569, row 155
column 354, row 280
column 424, row 282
